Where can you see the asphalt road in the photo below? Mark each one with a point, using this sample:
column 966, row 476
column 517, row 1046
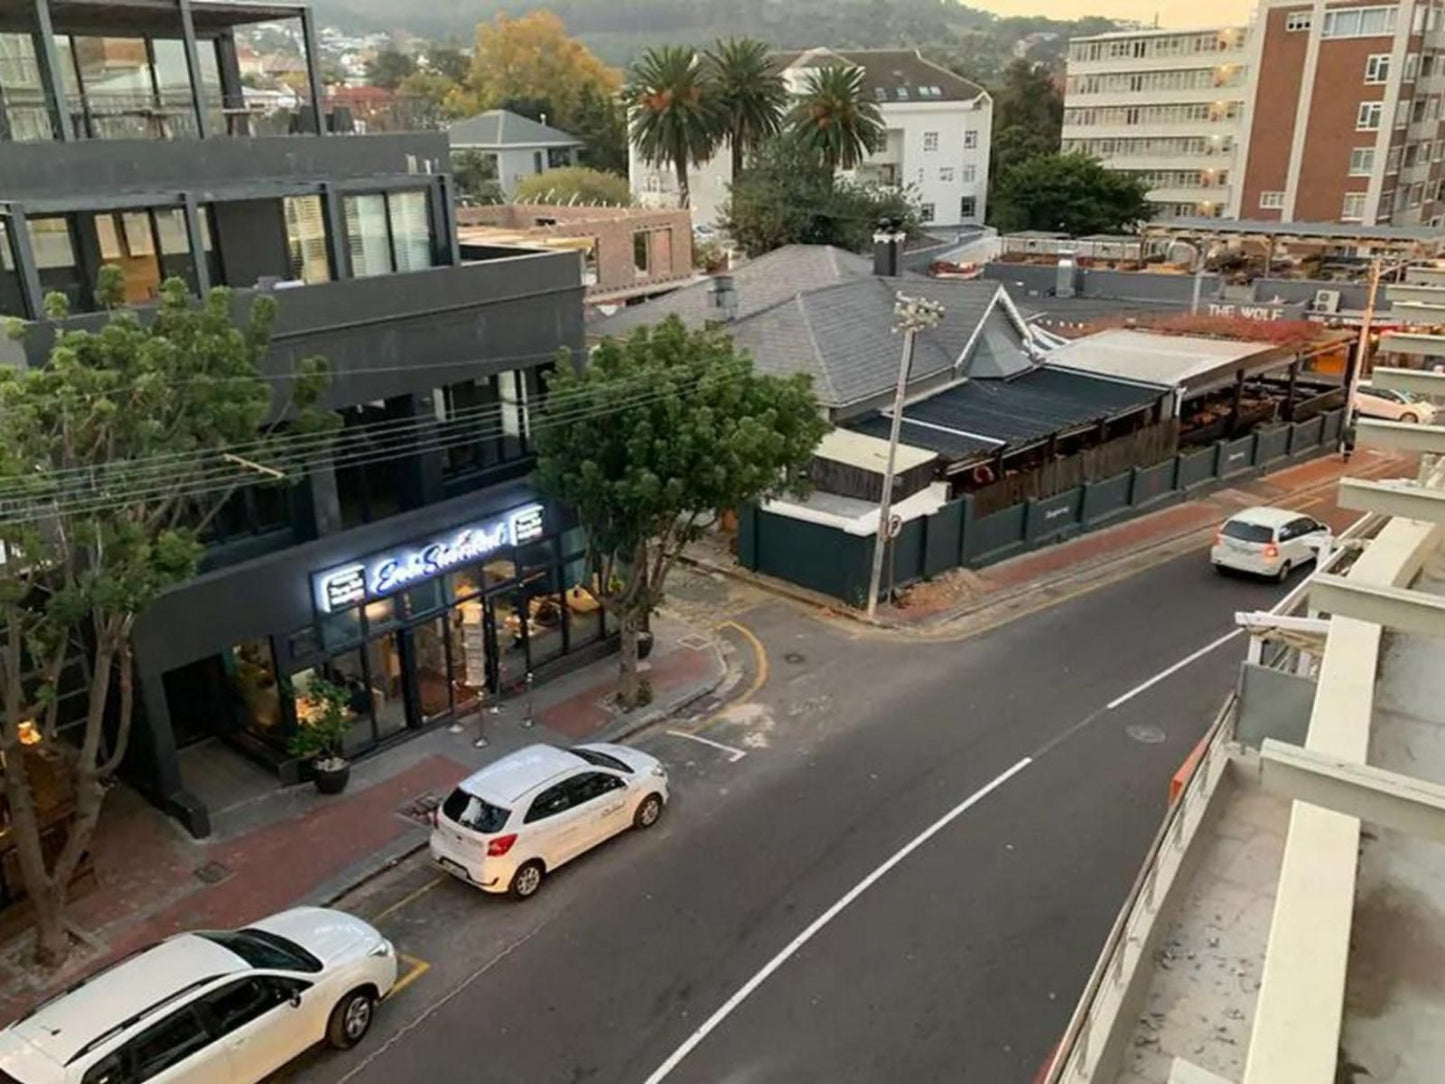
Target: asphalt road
column 791, row 919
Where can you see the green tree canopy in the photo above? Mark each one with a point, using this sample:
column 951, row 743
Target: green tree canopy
column 1028, row 115
column 750, row 93
column 1068, row 192
column 676, row 115
column 600, row 122
column 388, row 68
column 647, row 473
column 475, row 175
column 787, row 197
column 835, row 120
column 574, row 184
column 449, row 62
column 113, row 459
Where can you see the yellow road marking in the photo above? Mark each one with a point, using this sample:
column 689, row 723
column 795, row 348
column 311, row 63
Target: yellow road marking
column 760, row 653
column 418, row 969
column 410, row 897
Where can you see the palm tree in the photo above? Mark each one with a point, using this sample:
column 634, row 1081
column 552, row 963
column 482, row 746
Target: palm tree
column 834, row 120
column 750, row 93
column 674, row 110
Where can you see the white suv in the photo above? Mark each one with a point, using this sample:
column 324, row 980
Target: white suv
column 507, row 826
column 228, row 1007
column 1394, row 406
column 1268, row 542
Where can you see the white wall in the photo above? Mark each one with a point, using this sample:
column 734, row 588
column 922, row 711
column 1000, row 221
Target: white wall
column 656, row 185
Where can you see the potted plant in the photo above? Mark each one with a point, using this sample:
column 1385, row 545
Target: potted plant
column 322, row 720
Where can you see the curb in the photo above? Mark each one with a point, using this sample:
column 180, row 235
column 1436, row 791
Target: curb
column 629, row 725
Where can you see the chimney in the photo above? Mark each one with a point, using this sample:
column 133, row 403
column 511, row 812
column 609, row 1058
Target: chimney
column 724, row 297
column 888, row 248
column 1064, row 275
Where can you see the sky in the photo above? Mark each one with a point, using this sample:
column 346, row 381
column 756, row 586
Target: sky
column 1170, row 12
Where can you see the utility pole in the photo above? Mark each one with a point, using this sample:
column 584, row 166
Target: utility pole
column 1363, row 348
column 910, row 316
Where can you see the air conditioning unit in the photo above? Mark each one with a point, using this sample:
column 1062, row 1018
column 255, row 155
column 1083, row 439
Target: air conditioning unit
column 1326, row 301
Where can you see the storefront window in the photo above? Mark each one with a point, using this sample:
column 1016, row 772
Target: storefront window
column 341, row 628
column 252, row 672
column 347, row 671
column 381, row 613
column 546, row 620
column 423, row 598
column 433, row 688
column 468, row 653
column 384, row 669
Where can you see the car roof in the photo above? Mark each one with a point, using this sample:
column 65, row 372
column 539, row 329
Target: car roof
column 1266, row 516
column 65, row 1025
column 506, row 780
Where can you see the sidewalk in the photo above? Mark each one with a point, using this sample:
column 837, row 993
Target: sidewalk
column 284, row 846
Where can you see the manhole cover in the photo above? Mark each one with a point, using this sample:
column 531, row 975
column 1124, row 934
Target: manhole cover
column 212, row 873
column 420, row 808
column 795, row 657
column 1149, row 735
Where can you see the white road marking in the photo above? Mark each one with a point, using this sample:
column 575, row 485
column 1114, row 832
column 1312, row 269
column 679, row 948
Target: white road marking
column 692, row 1041
column 1180, row 665
column 734, row 755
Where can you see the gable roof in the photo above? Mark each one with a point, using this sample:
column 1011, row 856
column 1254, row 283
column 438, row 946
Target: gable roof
column 760, row 284
column 890, row 75
column 502, row 128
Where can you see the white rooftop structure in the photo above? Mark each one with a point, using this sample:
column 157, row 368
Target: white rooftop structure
column 1168, row 361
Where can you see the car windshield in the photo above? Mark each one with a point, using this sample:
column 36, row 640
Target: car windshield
column 471, row 812
column 602, row 760
column 1248, row 532
column 265, row 950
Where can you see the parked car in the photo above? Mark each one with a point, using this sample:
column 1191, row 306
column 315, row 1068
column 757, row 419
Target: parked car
column 513, row 822
column 1268, row 542
column 1395, row 406
column 221, row 1007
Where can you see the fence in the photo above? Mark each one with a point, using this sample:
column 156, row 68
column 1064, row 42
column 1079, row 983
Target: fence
column 967, row 532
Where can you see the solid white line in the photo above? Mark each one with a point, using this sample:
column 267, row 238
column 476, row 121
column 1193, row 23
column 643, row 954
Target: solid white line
column 1180, row 665
column 662, row 1071
column 734, row 755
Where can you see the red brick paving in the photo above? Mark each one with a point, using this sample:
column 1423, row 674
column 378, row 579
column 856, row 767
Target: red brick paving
column 583, row 715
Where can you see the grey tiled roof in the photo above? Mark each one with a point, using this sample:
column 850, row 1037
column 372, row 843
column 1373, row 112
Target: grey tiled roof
column 500, row 128
column 760, row 284
column 891, row 75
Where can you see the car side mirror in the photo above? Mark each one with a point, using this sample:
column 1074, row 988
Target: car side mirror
column 295, row 999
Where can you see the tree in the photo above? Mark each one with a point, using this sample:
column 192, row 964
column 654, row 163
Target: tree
column 675, row 117
column 646, row 474
column 1028, row 115
column 835, row 120
column 600, row 122
column 448, row 61
column 751, row 95
column 532, row 57
column 388, row 68
column 475, row 174
column 574, row 184
column 113, row 460
column 788, row 197
column 425, row 100
column 1069, row 192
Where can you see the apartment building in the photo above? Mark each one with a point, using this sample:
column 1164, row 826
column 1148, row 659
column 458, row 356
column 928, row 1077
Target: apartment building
column 125, row 140
column 1166, row 106
column 1344, row 116
column 939, row 132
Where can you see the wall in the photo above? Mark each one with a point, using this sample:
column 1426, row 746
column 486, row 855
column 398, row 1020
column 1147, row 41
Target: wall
column 252, row 234
column 1276, row 91
column 1040, row 280
column 1338, row 91
column 655, row 185
column 920, row 168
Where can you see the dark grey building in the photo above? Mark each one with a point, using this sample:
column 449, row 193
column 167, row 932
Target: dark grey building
column 415, row 566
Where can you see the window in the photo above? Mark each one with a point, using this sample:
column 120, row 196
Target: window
column 601, row 760
column 306, row 239
column 592, row 785
column 1371, row 22
column 1368, row 117
column 1377, row 68
column 970, row 139
column 970, row 174
column 641, row 255
column 968, row 207
column 1297, row 20
column 1362, row 161
column 234, row 1006
column 471, row 812
column 1271, row 201
column 168, row 1043
column 1247, row 532
column 930, row 141
column 24, row 101
column 265, row 950
column 1412, row 66
column 12, row 298
column 1354, row 207
column 1418, row 109
column 388, row 232
column 1392, row 159
column 555, row 799
column 925, row 213
column 1402, row 112
column 410, row 230
column 945, row 174
column 366, row 235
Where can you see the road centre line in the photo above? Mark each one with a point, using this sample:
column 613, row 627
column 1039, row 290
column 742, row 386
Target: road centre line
column 1180, row 665
column 734, row 755
column 726, row 1009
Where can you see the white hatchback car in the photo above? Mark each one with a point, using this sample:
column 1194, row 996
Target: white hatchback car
column 225, row 1007
column 508, row 825
column 1268, row 542
column 1395, row 406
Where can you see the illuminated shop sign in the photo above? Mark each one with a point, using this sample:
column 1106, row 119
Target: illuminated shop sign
column 393, row 570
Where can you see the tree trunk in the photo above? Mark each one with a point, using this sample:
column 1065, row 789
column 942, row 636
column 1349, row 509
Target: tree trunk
column 684, row 193
column 739, row 137
column 47, row 904
column 627, row 680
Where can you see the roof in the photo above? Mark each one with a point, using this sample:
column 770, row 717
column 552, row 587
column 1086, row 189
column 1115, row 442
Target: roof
column 1266, row 516
column 142, row 16
column 502, row 128
column 1162, row 360
column 871, row 454
column 890, row 75
column 1161, row 31
column 512, row 776
column 986, row 416
column 760, row 284
column 1340, row 230
column 64, row 1026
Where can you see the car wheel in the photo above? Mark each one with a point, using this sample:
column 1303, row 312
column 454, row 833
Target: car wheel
column 1283, row 573
column 648, row 810
column 1409, row 418
column 350, row 1020
column 527, row 880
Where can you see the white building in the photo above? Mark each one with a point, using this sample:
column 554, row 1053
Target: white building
column 939, row 131
column 1165, row 105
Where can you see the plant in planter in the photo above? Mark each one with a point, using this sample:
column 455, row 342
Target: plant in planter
column 322, row 720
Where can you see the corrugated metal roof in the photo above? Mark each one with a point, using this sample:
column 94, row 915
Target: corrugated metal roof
column 1165, row 360
column 951, row 446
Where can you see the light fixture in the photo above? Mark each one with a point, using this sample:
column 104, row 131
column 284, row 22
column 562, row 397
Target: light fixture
column 28, row 732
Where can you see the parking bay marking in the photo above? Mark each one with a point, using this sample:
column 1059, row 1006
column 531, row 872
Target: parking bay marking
column 417, row 967
column 734, row 754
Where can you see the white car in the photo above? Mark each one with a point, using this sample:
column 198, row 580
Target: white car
column 1395, row 406
column 508, row 825
column 224, row 1007
column 1268, row 542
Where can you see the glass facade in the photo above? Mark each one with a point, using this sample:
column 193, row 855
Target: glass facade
column 306, row 239
column 25, row 117
column 388, row 232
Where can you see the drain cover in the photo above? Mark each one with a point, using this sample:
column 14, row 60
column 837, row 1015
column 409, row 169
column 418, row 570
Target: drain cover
column 420, row 808
column 212, row 873
column 795, row 657
column 1149, row 735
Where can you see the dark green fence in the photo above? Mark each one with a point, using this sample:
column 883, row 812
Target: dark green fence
column 836, row 563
